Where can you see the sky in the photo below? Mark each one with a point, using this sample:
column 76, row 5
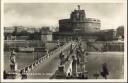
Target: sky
column 48, row 14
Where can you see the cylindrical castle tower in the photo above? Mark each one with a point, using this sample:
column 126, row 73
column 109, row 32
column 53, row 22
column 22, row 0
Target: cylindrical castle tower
column 78, row 22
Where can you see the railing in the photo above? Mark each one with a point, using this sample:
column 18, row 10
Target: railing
column 40, row 60
column 88, row 44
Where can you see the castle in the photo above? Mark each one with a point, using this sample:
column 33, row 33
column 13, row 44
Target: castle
column 78, row 25
column 78, row 22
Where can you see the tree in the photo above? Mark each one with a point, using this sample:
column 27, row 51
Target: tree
column 96, row 75
column 120, row 31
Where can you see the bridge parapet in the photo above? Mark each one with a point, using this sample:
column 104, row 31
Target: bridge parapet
column 56, row 52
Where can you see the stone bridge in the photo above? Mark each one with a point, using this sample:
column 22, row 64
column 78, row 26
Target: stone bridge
column 65, row 49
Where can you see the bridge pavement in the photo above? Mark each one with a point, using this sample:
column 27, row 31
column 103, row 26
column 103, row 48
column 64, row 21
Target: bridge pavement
column 48, row 67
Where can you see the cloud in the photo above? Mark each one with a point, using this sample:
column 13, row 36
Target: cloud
column 12, row 18
column 48, row 14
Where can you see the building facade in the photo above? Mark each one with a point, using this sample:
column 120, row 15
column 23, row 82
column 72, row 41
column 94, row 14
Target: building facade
column 46, row 34
column 78, row 22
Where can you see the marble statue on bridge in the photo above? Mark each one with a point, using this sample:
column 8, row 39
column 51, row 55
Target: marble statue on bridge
column 13, row 64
